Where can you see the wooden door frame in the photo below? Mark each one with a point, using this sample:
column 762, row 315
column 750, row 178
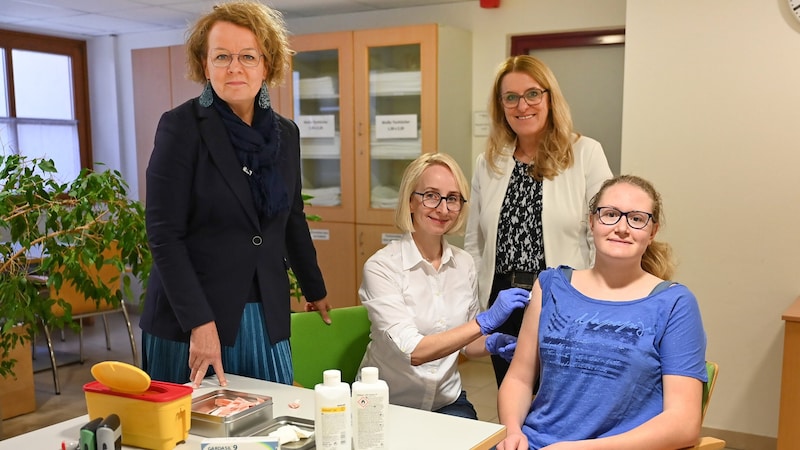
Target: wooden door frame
column 522, row 45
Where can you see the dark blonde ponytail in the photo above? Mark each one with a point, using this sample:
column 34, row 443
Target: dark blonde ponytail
column 657, row 259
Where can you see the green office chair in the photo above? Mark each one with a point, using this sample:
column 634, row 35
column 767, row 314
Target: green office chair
column 709, row 443
column 317, row 347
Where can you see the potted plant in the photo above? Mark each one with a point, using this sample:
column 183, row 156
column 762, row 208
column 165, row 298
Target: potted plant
column 54, row 229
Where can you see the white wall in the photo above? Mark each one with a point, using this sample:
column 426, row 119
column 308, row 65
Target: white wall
column 710, row 115
column 707, row 110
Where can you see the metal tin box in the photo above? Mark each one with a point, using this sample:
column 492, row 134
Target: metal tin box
column 241, row 423
column 304, row 424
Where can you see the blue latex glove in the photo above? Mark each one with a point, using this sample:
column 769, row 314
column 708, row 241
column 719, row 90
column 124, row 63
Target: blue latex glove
column 501, row 344
column 507, row 301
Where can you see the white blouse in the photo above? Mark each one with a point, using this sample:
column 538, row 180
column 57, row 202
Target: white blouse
column 407, row 299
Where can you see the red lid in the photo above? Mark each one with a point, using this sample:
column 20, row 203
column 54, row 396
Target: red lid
column 159, row 391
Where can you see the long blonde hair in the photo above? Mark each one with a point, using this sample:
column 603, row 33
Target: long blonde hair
column 657, row 258
column 555, row 154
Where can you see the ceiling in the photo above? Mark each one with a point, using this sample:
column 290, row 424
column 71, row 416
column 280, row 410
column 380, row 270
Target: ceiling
column 88, row 18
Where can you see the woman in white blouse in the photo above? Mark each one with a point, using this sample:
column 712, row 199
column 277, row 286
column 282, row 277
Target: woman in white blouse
column 421, row 294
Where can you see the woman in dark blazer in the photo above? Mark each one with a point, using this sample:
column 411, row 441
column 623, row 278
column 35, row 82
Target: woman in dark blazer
column 225, row 215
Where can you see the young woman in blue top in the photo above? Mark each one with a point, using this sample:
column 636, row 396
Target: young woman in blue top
column 619, row 352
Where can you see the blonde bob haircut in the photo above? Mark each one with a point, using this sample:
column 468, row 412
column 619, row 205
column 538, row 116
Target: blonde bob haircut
column 266, row 24
column 555, row 153
column 408, row 185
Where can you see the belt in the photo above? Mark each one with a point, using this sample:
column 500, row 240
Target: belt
column 519, row 279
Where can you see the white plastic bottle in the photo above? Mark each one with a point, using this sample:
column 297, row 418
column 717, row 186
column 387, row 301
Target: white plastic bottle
column 332, row 416
column 370, row 411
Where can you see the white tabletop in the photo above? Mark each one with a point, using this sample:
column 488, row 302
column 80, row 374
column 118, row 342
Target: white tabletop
column 407, row 427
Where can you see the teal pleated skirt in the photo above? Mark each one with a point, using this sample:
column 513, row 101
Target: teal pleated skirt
column 251, row 356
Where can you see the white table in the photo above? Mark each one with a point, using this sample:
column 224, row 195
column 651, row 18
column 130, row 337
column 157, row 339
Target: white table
column 408, row 428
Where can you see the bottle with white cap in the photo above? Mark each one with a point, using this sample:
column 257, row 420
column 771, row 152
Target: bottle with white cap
column 370, row 411
column 332, row 416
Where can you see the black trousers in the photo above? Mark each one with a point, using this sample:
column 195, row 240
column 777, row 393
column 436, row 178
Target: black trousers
column 510, row 326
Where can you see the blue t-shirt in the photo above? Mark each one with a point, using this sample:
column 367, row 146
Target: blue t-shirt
column 602, row 361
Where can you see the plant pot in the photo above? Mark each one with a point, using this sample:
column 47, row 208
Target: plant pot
column 18, row 394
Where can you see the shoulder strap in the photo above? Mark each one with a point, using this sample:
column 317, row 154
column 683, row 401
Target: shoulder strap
column 661, row 286
column 567, row 271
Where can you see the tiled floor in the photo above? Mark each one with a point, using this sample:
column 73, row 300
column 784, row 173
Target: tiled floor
column 477, row 377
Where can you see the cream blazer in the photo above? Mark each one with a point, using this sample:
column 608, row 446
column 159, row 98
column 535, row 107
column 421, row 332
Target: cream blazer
column 565, row 211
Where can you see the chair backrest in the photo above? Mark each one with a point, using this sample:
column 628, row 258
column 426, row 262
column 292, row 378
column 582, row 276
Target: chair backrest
column 108, row 273
column 712, row 369
column 317, row 347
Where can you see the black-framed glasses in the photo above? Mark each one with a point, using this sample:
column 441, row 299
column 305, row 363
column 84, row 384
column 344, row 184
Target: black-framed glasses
column 608, row 215
column 532, row 97
column 247, row 58
column 432, row 199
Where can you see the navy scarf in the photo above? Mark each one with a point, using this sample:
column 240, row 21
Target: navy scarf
column 258, row 148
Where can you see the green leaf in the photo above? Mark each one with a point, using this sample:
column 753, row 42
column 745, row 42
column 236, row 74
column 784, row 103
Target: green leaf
column 72, row 224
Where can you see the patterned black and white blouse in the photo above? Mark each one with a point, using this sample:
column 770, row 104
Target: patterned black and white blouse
column 520, row 245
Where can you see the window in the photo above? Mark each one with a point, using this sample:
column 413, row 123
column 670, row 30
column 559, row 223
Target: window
column 44, row 100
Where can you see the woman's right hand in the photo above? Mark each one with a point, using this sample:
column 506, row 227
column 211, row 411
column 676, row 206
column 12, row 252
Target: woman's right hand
column 514, row 441
column 205, row 350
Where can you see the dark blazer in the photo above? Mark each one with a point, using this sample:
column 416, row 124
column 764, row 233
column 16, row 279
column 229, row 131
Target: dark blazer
column 207, row 241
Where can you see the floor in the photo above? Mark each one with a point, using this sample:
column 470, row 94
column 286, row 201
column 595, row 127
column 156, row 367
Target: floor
column 52, row 408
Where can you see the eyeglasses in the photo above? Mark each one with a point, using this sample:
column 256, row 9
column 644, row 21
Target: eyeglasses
column 532, row 97
column 432, row 199
column 608, row 215
column 247, row 59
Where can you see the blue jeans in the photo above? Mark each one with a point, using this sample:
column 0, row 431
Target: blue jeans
column 460, row 408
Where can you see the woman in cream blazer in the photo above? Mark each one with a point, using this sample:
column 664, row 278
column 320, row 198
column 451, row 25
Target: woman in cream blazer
column 531, row 187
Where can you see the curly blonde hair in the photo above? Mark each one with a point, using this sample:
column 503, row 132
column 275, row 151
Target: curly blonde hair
column 555, row 154
column 266, row 23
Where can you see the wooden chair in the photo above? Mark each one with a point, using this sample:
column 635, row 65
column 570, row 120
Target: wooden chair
column 317, row 346
column 709, row 443
column 82, row 307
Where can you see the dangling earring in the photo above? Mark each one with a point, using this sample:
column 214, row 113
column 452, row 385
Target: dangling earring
column 263, row 96
column 207, row 97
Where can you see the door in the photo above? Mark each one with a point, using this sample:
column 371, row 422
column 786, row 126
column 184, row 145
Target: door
column 589, row 67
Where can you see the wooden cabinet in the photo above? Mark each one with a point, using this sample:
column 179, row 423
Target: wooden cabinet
column 318, row 96
column 789, row 416
column 159, row 84
column 368, row 102
column 334, row 242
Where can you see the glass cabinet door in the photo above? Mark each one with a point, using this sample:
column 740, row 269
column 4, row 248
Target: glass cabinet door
column 321, row 101
column 394, row 115
column 395, row 110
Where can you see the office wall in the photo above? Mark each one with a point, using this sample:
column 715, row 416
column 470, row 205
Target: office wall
column 710, row 115
column 706, row 116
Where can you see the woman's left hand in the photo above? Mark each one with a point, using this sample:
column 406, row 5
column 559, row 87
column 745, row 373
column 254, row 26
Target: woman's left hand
column 322, row 306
